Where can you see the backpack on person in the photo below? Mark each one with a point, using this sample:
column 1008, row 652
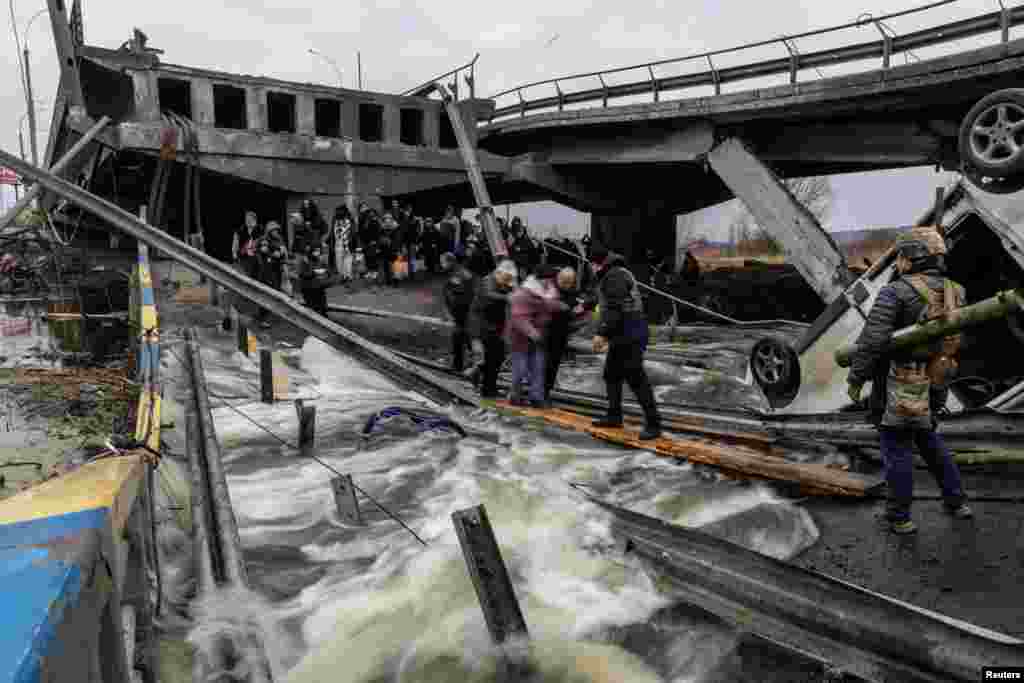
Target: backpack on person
column 941, row 354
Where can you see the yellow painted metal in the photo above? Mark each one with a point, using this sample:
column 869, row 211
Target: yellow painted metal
column 147, row 423
column 149, row 320
column 111, row 482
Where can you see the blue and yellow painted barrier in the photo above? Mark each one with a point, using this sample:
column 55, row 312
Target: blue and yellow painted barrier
column 147, row 358
column 74, row 550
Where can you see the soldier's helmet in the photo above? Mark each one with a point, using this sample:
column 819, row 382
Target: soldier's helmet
column 921, row 242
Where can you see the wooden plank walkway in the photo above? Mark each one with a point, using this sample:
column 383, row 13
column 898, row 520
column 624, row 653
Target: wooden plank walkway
column 747, row 462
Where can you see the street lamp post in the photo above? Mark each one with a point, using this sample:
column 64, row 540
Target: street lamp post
column 33, row 143
column 29, row 99
column 331, row 62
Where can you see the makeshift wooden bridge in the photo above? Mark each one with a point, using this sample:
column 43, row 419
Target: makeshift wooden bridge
column 748, row 462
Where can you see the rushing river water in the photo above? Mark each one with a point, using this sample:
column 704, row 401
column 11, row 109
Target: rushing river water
column 337, row 602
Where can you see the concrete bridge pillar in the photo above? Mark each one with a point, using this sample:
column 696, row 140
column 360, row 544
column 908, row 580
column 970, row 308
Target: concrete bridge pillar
column 634, row 233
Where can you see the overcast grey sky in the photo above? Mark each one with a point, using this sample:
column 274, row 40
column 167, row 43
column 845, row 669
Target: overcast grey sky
column 404, row 43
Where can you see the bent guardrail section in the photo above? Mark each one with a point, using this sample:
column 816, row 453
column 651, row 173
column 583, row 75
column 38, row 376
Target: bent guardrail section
column 218, row 546
column 853, row 630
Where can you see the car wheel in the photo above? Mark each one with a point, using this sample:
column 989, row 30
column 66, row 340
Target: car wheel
column 776, row 369
column 992, row 134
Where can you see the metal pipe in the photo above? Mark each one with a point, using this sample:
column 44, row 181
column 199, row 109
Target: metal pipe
column 69, row 156
column 374, row 355
column 999, row 306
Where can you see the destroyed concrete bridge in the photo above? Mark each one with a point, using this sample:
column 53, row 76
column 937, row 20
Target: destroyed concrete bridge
column 275, row 143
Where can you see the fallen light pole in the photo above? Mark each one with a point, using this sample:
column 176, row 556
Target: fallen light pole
column 999, row 306
column 476, row 177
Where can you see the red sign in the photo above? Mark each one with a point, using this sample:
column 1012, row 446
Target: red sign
column 8, row 176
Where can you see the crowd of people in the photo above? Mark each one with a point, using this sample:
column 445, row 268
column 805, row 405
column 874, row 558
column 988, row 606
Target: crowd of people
column 383, row 247
column 530, row 317
column 526, row 305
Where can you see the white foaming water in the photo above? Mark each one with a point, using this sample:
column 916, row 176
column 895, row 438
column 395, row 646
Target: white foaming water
column 370, row 604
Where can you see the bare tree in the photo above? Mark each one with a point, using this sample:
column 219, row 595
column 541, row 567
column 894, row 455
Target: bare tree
column 815, row 193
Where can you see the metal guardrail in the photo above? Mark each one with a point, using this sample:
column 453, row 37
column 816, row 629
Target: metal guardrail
column 885, row 47
column 851, row 629
column 218, row 546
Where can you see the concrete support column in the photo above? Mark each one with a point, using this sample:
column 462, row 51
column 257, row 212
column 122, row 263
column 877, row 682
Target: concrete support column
column 147, row 105
column 256, row 108
column 305, row 114
column 392, row 124
column 633, row 234
column 350, row 119
column 432, row 126
column 202, row 102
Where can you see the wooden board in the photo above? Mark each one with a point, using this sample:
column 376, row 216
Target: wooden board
column 193, row 295
column 814, row 479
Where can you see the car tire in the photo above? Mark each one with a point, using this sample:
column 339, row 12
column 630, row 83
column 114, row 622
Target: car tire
column 991, row 138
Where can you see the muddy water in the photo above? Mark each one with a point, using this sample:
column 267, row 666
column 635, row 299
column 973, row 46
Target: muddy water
column 335, row 602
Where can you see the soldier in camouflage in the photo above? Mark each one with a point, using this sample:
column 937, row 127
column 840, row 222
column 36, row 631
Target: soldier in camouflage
column 910, row 388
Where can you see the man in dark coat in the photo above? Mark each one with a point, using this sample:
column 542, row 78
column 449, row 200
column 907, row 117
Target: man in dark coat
column 430, row 243
column 369, row 236
column 907, row 392
column 563, row 323
column 487, row 318
column 244, row 247
column 273, row 253
column 623, row 332
column 314, row 278
column 459, row 290
column 522, row 249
